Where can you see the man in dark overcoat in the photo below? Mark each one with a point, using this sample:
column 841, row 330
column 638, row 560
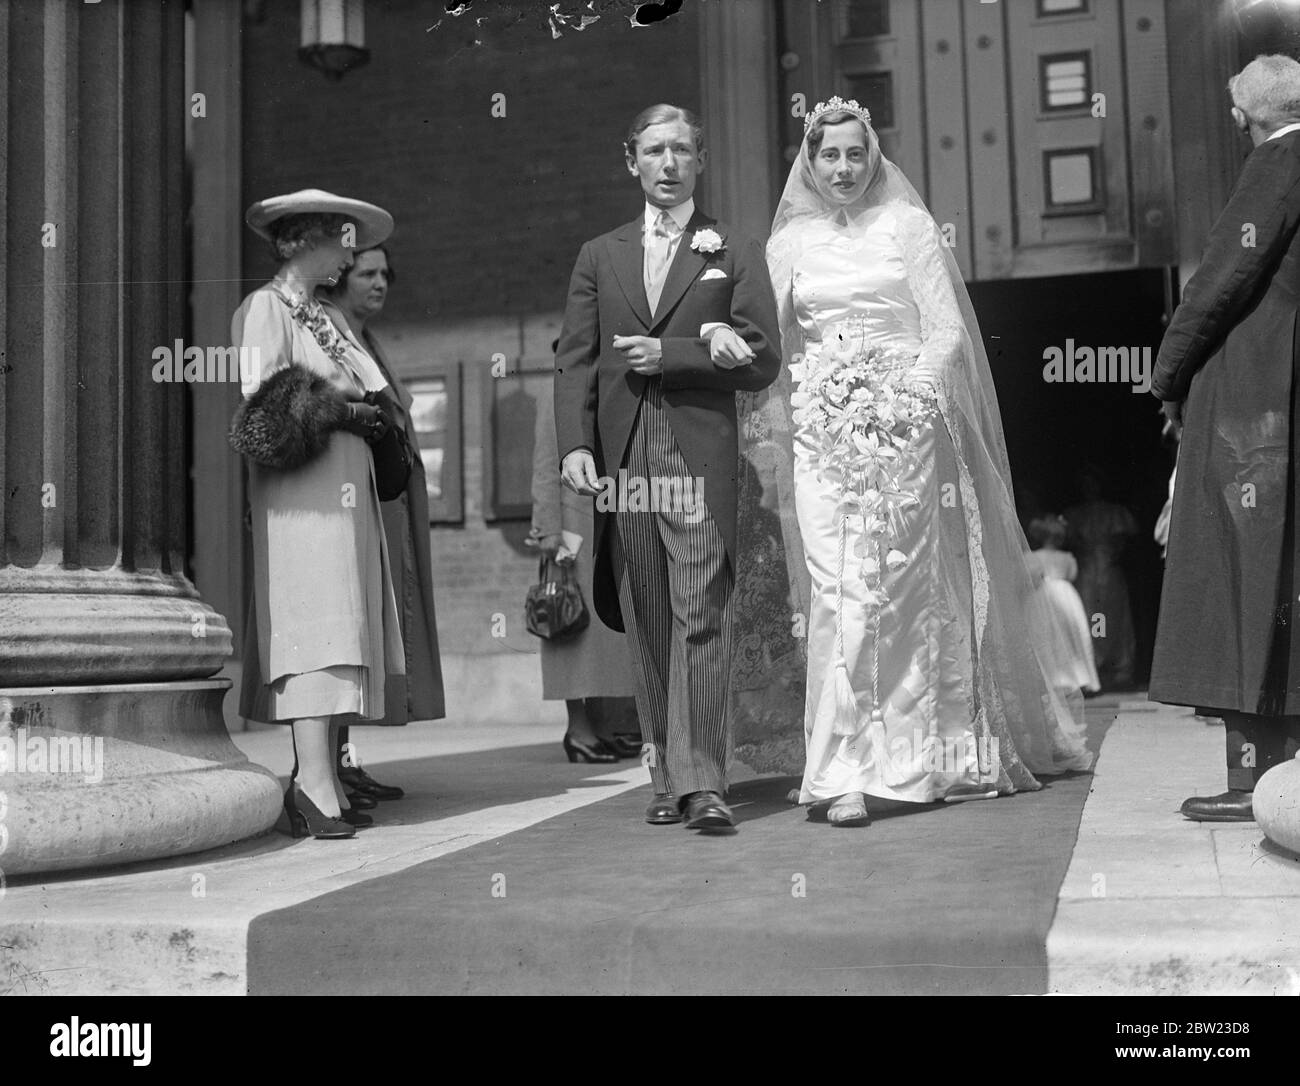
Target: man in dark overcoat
column 1227, row 368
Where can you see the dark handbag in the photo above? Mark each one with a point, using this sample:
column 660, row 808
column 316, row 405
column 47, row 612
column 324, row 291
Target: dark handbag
column 393, row 462
column 555, row 609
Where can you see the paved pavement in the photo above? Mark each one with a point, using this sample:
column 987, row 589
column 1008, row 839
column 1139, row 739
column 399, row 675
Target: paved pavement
column 1150, row 904
column 1155, row 904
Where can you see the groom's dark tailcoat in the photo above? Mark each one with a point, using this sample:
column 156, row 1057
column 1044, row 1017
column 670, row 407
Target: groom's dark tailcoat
column 600, row 401
column 1227, row 637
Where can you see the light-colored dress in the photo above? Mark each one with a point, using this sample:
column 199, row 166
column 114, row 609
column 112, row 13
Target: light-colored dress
column 1067, row 658
column 324, row 630
column 597, row 662
column 925, row 684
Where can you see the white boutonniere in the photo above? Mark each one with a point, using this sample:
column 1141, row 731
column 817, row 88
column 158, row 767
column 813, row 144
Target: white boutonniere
column 707, row 241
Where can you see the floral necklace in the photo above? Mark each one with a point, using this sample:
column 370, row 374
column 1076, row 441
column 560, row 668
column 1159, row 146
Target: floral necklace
column 307, row 312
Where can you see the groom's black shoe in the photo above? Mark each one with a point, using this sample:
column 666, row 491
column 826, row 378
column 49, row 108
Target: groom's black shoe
column 663, row 811
column 706, row 811
column 1230, row 806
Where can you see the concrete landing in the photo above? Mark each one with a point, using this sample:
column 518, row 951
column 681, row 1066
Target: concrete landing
column 1150, row 904
column 1154, row 904
column 180, row 926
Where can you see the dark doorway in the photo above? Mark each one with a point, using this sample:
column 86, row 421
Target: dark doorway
column 1056, row 429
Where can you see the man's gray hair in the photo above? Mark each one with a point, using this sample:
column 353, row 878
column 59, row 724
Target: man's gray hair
column 1267, row 90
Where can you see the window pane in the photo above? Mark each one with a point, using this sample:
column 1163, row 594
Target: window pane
column 1061, row 7
column 432, row 473
column 1066, row 80
column 429, row 405
column 1069, row 178
column 429, row 416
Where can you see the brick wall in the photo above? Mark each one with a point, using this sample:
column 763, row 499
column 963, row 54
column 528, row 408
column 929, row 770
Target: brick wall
column 490, row 212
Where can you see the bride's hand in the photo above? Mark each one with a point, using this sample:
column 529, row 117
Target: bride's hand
column 924, row 380
column 727, row 350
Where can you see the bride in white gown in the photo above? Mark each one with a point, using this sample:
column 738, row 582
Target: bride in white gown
column 922, row 681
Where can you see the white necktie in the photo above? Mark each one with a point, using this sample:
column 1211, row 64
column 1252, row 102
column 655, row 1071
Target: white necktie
column 658, row 245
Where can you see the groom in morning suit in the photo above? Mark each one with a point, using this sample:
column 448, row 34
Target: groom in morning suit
column 667, row 319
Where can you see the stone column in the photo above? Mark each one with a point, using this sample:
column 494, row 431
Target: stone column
column 217, row 229
column 112, row 743
column 738, row 92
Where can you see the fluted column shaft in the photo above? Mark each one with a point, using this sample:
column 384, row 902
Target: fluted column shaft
column 92, row 551
column 112, row 744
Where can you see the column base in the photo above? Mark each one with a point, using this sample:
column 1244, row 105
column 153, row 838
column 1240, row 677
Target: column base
column 106, row 626
column 1276, row 802
column 98, row 775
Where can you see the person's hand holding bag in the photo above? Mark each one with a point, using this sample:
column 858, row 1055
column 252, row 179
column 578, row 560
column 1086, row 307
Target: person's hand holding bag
column 366, row 420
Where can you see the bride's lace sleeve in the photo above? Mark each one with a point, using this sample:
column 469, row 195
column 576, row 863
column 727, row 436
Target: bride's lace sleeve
column 942, row 327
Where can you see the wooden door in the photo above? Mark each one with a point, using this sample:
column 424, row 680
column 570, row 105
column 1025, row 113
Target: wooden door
column 1038, row 131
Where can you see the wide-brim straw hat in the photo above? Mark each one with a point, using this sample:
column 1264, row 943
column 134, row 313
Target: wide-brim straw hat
column 374, row 224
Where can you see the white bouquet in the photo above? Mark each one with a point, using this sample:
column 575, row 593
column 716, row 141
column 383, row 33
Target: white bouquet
column 865, row 408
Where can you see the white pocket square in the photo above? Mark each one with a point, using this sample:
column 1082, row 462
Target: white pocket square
column 713, row 273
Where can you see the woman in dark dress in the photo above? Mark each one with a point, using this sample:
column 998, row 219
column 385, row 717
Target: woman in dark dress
column 353, row 301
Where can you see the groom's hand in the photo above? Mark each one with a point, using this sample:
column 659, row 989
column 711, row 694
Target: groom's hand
column 643, row 354
column 578, row 472
column 728, row 350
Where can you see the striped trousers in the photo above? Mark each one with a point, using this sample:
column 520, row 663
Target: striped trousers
column 675, row 594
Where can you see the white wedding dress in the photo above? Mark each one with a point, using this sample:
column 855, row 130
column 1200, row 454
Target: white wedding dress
column 925, row 690
column 941, row 736
column 924, row 681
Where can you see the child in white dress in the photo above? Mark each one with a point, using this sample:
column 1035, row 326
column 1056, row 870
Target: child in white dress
column 1068, row 659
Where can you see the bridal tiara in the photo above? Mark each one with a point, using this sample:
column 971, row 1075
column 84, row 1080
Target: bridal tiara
column 836, row 105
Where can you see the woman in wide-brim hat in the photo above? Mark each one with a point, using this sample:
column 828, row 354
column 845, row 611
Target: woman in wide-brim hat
column 323, row 632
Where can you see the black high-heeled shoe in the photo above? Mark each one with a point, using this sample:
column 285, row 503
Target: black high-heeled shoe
column 624, row 745
column 305, row 818
column 297, row 824
column 588, row 752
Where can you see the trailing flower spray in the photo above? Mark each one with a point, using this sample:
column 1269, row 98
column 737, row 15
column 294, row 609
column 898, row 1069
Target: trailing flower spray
column 865, row 409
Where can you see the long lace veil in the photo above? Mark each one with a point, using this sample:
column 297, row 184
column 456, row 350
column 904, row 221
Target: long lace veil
column 1039, row 729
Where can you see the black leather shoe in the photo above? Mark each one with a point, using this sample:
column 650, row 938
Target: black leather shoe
column 355, row 779
column 663, row 811
column 355, row 818
column 706, row 811
column 359, row 800
column 1230, row 806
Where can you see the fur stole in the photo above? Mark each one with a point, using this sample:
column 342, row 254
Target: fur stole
column 288, row 420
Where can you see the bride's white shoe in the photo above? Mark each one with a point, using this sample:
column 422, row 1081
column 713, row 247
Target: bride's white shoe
column 961, row 795
column 849, row 810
